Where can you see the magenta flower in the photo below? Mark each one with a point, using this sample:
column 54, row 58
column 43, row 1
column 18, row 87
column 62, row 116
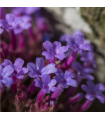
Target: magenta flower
column 54, row 50
column 19, row 70
column 46, row 84
column 66, row 79
column 39, row 69
column 5, row 76
column 94, row 91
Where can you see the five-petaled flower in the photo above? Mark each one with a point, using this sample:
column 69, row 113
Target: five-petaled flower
column 46, row 84
column 39, row 69
column 78, row 42
column 19, row 70
column 66, row 79
column 83, row 73
column 94, row 91
column 54, row 50
column 10, row 22
column 5, row 76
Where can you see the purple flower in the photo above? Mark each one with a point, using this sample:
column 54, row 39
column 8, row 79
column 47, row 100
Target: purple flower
column 89, row 59
column 4, row 76
column 3, row 25
column 94, row 91
column 26, row 24
column 46, row 85
column 39, row 69
column 25, row 10
column 66, row 79
column 78, row 42
column 54, row 50
column 83, row 73
column 19, row 71
column 10, row 22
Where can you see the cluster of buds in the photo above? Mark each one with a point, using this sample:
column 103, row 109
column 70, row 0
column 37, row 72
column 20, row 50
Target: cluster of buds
column 51, row 83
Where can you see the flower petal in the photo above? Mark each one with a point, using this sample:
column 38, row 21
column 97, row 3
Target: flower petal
column 7, row 71
column 53, row 89
column 50, row 68
column 39, row 63
column 18, row 63
column 101, row 97
column 48, row 46
column 52, row 83
column 8, row 81
column 60, row 56
column 46, row 79
column 90, row 97
column 84, row 87
column 72, row 83
column 31, row 67
column 48, row 55
column 7, row 62
column 99, row 87
column 38, row 83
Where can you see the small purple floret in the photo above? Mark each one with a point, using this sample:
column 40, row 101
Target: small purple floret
column 94, row 91
column 54, row 50
column 46, row 85
column 39, row 69
column 66, row 79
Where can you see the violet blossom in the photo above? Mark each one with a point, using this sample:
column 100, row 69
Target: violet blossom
column 39, row 69
column 26, row 24
column 19, row 70
column 10, row 22
column 88, row 59
column 24, row 10
column 83, row 73
column 54, row 50
column 66, row 79
column 78, row 42
column 94, row 91
column 5, row 76
column 46, row 84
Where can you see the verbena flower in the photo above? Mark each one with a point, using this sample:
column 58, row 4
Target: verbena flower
column 66, row 79
column 3, row 25
column 89, row 59
column 54, row 50
column 19, row 70
column 83, row 73
column 39, row 69
column 5, row 76
column 46, row 84
column 10, row 22
column 94, row 91
column 78, row 42
column 24, row 10
column 26, row 24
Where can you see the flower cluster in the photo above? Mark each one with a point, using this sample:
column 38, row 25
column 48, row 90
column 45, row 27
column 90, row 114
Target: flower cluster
column 55, row 70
